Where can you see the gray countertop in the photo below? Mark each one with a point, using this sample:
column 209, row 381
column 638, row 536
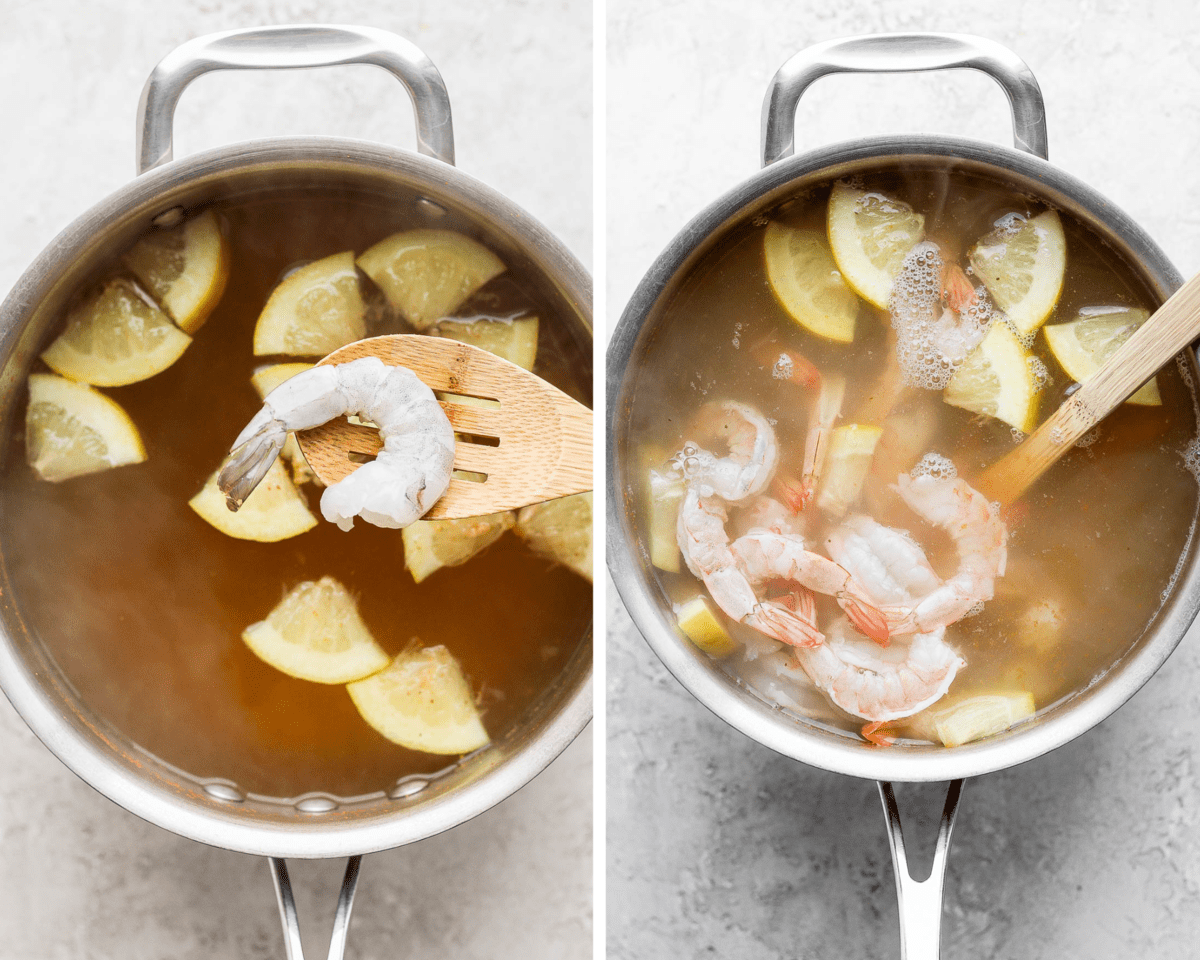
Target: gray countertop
column 80, row 877
column 718, row 847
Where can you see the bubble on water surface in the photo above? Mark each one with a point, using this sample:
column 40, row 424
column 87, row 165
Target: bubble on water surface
column 936, row 466
column 784, row 367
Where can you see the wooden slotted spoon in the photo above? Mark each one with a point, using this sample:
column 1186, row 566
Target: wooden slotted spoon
column 518, row 440
column 1174, row 326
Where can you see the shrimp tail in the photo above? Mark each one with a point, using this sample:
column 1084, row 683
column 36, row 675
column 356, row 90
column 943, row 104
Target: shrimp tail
column 776, row 620
column 251, row 457
column 866, row 617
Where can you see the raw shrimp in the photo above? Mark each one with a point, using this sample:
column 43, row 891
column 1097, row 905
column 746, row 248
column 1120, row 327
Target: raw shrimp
column 399, row 485
column 979, row 536
column 772, row 556
column 881, row 684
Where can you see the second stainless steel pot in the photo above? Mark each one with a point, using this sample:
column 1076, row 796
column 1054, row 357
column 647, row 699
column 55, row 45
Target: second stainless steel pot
column 783, row 175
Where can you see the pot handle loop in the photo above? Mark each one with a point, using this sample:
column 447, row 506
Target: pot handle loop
column 902, row 53
column 291, row 921
column 287, row 47
column 920, row 901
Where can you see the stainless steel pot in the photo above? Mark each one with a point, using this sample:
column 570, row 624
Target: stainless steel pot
column 218, row 812
column 785, row 175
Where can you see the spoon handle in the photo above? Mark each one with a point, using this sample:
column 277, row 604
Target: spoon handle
column 1172, row 327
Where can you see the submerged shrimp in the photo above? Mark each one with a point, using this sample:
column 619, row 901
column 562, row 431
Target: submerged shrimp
column 880, row 684
column 753, row 452
column 706, row 550
column 409, row 474
column 980, row 537
column 767, row 556
column 714, row 482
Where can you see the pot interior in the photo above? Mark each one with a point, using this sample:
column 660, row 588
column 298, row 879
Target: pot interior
column 660, row 343
column 70, row 710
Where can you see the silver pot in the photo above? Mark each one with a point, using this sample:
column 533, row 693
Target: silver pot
column 784, row 175
column 217, row 812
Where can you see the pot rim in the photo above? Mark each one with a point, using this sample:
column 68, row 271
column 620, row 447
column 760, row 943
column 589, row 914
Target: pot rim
column 628, row 561
column 229, row 825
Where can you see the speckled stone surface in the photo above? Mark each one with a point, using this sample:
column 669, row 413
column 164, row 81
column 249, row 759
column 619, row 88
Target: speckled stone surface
column 718, row 847
column 80, row 877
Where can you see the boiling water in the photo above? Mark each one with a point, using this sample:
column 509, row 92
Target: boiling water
column 142, row 603
column 1100, row 535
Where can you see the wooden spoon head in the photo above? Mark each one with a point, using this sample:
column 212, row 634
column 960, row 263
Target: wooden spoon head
column 518, row 440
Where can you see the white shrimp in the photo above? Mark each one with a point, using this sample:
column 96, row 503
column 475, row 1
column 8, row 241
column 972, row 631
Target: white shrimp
column 753, row 452
column 409, row 474
column 714, row 482
column 705, row 547
column 772, row 556
column 980, row 537
column 766, row 514
column 881, row 684
column 887, row 563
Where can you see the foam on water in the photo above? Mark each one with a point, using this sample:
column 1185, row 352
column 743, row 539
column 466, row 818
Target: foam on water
column 784, row 367
column 932, row 341
column 936, row 466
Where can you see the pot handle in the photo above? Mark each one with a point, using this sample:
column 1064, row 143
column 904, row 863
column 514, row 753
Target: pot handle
column 902, row 53
column 920, row 901
column 286, row 47
column 291, row 921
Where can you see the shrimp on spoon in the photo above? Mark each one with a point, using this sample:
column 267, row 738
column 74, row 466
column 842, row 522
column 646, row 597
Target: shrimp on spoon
column 396, row 488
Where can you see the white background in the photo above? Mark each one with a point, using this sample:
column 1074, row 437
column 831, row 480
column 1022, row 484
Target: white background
column 718, row 847
column 79, row 877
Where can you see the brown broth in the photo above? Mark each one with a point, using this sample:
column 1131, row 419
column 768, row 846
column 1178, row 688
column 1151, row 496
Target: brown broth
column 142, row 603
column 1101, row 533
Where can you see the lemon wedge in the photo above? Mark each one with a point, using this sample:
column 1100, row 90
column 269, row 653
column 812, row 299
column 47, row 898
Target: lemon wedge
column 997, row 379
column 560, row 530
column 701, row 626
column 1082, row 345
column 807, row 282
column 982, row 716
column 265, row 379
column 512, row 340
column 870, row 234
column 185, row 268
column 276, row 510
column 313, row 311
column 422, row 701
column 71, row 429
column 315, row 633
column 115, row 337
column 851, row 447
column 666, row 494
column 427, row 274
column 430, row 545
column 1022, row 263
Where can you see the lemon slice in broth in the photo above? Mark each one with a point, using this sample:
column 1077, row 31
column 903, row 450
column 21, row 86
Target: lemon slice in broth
column 72, row 430
column 315, row 633
column 997, row 379
column 114, row 337
column 313, row 311
column 1082, row 345
column 427, row 274
column 430, row 545
column 1022, row 264
column 807, row 283
column 185, row 268
column 512, row 340
column 869, row 235
column 274, row 511
column 560, row 530
column 422, row 701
